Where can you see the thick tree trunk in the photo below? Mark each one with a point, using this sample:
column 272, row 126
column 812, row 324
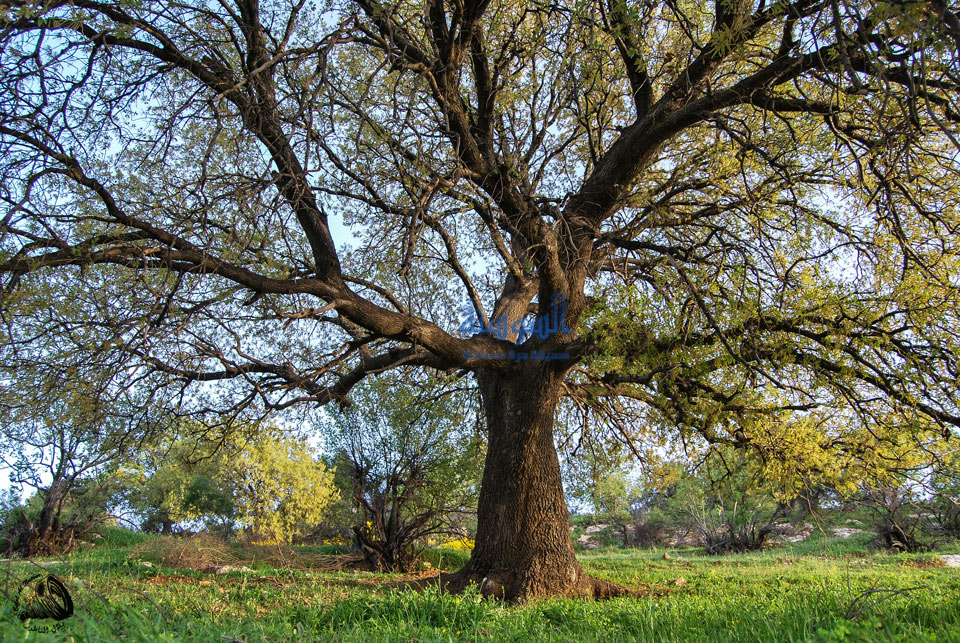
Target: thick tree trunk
column 40, row 538
column 523, row 549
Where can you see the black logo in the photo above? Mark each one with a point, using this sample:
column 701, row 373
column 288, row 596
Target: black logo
column 44, row 596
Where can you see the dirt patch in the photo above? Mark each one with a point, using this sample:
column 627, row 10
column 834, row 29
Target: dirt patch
column 206, row 553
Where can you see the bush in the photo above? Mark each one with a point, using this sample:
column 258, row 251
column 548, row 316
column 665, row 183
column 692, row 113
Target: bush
column 271, row 483
column 408, row 463
column 726, row 504
column 200, row 551
column 650, row 529
column 899, row 516
column 12, row 511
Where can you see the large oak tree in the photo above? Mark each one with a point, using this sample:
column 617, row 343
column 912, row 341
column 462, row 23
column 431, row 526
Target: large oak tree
column 746, row 211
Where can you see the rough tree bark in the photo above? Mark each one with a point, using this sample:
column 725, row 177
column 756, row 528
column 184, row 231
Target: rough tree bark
column 44, row 536
column 523, row 549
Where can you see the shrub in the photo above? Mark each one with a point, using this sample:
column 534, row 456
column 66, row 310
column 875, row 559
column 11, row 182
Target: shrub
column 725, row 502
column 409, row 465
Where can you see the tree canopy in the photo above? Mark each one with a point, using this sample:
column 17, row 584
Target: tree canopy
column 746, row 212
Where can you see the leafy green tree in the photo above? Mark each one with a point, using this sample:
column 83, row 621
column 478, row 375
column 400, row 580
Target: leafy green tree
column 272, row 484
column 604, row 485
column 728, row 222
column 59, row 440
column 177, row 479
column 611, row 499
column 280, row 487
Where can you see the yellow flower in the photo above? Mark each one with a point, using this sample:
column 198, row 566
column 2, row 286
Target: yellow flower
column 462, row 544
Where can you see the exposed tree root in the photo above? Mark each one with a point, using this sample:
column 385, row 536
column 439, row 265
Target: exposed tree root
column 506, row 585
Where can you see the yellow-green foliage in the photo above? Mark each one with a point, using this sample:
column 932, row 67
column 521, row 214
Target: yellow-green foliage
column 271, row 483
column 280, row 487
column 793, row 410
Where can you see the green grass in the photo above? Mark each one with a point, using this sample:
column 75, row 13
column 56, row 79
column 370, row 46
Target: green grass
column 114, row 537
column 795, row 593
column 446, row 558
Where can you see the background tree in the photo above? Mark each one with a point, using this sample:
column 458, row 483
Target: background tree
column 37, row 526
column 747, row 208
column 604, row 486
column 727, row 503
column 612, row 500
column 176, row 480
column 57, row 440
column 281, row 489
column 271, row 483
column 916, row 505
column 898, row 515
column 408, row 457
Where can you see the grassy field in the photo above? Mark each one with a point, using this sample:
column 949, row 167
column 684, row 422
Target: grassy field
column 153, row 589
